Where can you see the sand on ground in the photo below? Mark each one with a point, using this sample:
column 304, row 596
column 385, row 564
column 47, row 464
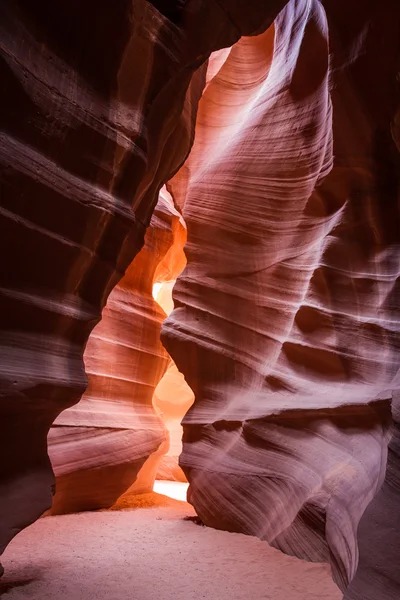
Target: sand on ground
column 147, row 548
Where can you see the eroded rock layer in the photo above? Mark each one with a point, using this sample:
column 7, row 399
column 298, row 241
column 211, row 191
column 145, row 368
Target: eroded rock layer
column 286, row 323
column 172, row 396
column 98, row 446
column 97, row 112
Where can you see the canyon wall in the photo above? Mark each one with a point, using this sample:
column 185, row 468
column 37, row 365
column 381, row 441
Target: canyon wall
column 286, row 323
column 97, row 111
column 98, row 446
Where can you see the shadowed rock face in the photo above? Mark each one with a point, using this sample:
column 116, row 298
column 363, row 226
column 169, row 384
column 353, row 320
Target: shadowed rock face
column 373, row 42
column 97, row 112
column 286, row 323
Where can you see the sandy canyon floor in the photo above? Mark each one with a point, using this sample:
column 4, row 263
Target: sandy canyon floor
column 148, row 548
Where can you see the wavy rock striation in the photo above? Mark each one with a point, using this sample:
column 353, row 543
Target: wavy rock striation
column 378, row 573
column 98, row 446
column 172, row 396
column 97, row 112
column 286, row 322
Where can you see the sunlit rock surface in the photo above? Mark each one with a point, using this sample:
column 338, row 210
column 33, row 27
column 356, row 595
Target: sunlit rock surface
column 97, row 111
column 98, row 446
column 286, row 322
column 173, row 397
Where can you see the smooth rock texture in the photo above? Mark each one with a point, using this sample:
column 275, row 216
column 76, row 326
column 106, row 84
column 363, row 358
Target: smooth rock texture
column 98, row 446
column 378, row 26
column 97, row 112
column 286, row 323
column 173, row 397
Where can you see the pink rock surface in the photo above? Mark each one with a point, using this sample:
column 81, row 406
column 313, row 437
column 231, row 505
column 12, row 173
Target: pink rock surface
column 98, row 111
column 286, row 325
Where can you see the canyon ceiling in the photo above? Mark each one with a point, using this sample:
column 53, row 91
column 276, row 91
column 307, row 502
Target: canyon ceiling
column 250, row 151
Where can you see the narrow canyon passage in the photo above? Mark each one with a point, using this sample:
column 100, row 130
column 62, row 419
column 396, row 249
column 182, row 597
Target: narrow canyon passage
column 199, row 299
column 126, row 426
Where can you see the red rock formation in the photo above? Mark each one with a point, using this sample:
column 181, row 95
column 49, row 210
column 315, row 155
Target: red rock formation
column 98, row 446
column 286, row 323
column 369, row 90
column 97, row 111
column 172, row 396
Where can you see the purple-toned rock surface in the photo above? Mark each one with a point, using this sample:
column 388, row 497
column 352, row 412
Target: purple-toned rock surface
column 286, row 324
column 97, row 111
column 286, row 320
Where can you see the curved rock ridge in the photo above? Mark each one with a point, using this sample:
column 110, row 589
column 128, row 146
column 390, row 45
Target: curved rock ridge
column 97, row 112
column 172, row 396
column 286, row 322
column 98, row 446
column 378, row 103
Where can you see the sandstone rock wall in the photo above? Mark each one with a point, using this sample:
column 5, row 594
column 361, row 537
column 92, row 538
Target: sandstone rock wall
column 286, row 323
column 97, row 112
column 98, row 446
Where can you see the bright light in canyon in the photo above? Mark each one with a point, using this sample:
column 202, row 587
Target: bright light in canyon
column 156, row 288
column 172, row 489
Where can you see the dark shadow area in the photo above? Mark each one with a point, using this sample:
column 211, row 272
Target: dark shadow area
column 7, row 586
column 196, row 520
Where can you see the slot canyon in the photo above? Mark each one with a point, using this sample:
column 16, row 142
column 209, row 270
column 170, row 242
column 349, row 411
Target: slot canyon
column 199, row 290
